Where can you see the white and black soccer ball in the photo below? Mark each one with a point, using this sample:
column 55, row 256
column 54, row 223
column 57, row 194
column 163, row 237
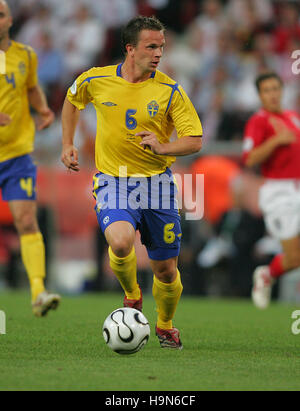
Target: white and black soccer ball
column 126, row 330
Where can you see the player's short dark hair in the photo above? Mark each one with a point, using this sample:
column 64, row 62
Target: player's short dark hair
column 130, row 33
column 266, row 76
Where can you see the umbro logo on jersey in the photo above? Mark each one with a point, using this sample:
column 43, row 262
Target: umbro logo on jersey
column 109, row 104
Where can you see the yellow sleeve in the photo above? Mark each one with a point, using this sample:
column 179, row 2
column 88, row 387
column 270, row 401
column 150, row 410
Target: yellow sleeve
column 32, row 79
column 184, row 115
column 78, row 94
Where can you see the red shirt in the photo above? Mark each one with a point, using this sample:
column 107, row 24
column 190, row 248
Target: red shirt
column 284, row 162
column 283, row 36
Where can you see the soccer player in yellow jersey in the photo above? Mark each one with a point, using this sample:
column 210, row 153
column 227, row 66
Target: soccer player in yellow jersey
column 137, row 109
column 19, row 89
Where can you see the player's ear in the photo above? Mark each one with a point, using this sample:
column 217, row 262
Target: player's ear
column 130, row 49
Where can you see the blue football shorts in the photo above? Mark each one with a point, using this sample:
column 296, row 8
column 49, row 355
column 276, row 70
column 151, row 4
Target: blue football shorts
column 18, row 179
column 148, row 203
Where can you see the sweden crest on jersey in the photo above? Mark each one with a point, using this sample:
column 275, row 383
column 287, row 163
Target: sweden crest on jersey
column 152, row 108
column 22, row 68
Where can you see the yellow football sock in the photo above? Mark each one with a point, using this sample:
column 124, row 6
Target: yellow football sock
column 125, row 270
column 33, row 256
column 166, row 296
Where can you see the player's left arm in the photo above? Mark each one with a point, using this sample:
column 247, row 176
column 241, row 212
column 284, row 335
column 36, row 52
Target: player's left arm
column 38, row 101
column 36, row 96
column 180, row 147
column 188, row 126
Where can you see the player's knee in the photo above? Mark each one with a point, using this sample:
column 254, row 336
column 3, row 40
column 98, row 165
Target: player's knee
column 293, row 260
column 121, row 246
column 26, row 223
column 166, row 273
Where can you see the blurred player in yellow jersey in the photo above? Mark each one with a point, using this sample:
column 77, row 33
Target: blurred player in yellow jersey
column 19, row 89
column 137, row 109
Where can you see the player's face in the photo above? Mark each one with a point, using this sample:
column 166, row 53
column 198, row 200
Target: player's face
column 5, row 21
column 270, row 93
column 149, row 50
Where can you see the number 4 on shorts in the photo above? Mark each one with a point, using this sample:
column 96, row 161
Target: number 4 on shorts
column 26, row 185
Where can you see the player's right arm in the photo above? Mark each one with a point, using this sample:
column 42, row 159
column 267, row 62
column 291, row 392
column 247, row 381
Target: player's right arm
column 70, row 115
column 256, row 149
column 76, row 99
column 5, row 119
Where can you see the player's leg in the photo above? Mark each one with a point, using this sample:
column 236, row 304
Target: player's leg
column 119, row 228
column 32, row 244
column 161, row 234
column 120, row 236
column 18, row 189
column 167, row 289
column 280, row 205
column 33, row 254
column 265, row 276
column 288, row 260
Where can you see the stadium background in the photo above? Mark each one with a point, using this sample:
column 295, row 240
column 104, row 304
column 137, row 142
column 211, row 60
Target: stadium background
column 214, row 50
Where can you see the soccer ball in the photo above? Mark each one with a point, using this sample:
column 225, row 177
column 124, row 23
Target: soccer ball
column 126, row 330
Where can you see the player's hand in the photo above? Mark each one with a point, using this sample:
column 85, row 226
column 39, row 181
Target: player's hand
column 45, row 119
column 69, row 157
column 284, row 135
column 5, row 119
column 149, row 140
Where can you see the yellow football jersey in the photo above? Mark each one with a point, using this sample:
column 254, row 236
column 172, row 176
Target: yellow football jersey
column 123, row 109
column 17, row 138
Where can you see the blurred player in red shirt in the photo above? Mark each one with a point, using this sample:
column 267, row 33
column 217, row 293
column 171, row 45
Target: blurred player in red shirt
column 272, row 140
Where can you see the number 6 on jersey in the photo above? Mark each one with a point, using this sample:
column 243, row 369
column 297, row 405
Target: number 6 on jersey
column 131, row 122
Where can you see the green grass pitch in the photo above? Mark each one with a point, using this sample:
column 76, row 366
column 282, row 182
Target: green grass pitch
column 228, row 345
